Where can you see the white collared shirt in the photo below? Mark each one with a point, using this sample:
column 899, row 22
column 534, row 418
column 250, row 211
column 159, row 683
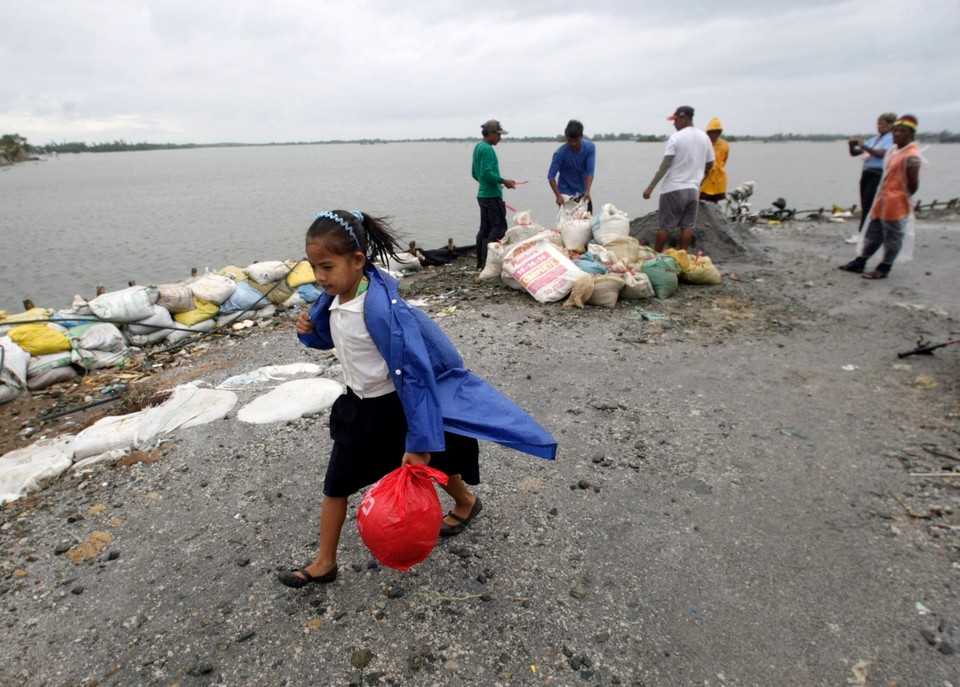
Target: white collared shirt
column 364, row 369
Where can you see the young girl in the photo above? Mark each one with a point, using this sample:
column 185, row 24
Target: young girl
column 409, row 398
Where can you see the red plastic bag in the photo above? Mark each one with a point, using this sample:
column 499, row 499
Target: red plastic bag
column 399, row 517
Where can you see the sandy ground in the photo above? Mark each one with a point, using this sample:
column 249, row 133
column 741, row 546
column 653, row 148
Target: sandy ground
column 756, row 491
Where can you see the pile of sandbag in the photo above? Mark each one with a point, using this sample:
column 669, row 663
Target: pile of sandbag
column 41, row 347
column 589, row 260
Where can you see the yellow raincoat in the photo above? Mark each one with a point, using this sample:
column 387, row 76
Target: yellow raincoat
column 716, row 181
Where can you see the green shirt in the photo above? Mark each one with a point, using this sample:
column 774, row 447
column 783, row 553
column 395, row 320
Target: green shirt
column 486, row 170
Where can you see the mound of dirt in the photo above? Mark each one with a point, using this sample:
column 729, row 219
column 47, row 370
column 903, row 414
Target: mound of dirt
column 716, row 236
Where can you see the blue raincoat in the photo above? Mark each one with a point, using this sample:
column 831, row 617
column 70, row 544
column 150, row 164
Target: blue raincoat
column 437, row 393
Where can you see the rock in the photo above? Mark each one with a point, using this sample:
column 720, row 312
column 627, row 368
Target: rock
column 361, row 658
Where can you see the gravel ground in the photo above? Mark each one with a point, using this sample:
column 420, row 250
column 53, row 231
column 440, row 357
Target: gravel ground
column 730, row 506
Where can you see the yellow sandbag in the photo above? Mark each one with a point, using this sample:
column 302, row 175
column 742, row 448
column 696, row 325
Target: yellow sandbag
column 202, row 311
column 695, row 270
column 234, row 272
column 27, row 315
column 606, row 290
column 302, row 274
column 39, row 339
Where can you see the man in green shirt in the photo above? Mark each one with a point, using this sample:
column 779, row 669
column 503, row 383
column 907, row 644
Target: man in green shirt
column 486, row 170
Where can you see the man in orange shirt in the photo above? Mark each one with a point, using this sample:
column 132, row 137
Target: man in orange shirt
column 891, row 218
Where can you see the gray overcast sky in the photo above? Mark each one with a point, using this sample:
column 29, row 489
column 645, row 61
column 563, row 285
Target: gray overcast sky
column 302, row 70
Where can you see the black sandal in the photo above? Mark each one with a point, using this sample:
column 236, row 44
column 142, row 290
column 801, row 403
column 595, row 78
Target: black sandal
column 291, row 579
column 453, row 530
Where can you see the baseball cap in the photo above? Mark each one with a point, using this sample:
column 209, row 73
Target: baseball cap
column 682, row 111
column 495, row 126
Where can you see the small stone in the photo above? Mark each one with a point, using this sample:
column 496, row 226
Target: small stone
column 583, row 484
column 567, row 651
column 553, row 511
column 930, row 636
column 481, row 578
column 602, row 637
column 113, row 555
column 242, row 561
column 578, row 593
column 946, row 649
column 62, row 548
column 361, row 658
column 575, row 663
column 249, row 634
column 78, row 590
column 394, row 593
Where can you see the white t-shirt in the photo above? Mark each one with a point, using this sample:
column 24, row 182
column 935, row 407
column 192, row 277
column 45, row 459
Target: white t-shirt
column 364, row 369
column 692, row 150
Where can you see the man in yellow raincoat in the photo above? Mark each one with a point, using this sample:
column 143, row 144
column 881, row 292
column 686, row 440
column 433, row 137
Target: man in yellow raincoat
column 714, row 188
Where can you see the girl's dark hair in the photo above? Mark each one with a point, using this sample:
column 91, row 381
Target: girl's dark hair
column 346, row 232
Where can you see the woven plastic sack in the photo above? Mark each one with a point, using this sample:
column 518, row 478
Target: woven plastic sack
column 127, row 305
column 606, row 290
column 301, row 274
column 244, row 297
column 50, row 377
column 268, row 271
column 13, row 369
column 610, row 224
column 636, row 286
column 44, row 363
column 695, row 270
column 234, row 272
column 39, row 339
column 28, row 315
column 543, row 270
column 213, row 288
column 491, row 270
column 175, row 297
column 160, row 321
column 400, row 516
column 627, row 249
column 202, row 310
column 662, row 272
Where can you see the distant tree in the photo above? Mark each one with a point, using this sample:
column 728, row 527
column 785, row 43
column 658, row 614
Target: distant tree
column 14, row 146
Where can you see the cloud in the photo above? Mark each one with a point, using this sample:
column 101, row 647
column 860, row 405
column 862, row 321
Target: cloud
column 252, row 71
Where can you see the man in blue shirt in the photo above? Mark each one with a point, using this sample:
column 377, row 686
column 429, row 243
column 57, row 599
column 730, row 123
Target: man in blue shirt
column 873, row 151
column 573, row 162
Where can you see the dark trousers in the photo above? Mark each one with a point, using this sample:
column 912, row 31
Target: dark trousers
column 887, row 234
column 493, row 225
column 869, row 183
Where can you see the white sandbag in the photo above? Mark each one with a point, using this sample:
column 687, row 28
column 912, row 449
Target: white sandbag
column 261, row 314
column 176, row 298
column 520, row 232
column 491, row 270
column 31, row 468
column 188, row 406
column 291, row 400
column 127, row 305
column 610, row 223
column 295, row 301
column 97, row 337
column 98, row 360
column 606, row 290
column 13, row 373
column 184, row 332
column 40, row 364
column 57, row 375
column 403, row 262
column 213, row 288
column 575, row 233
column 109, row 456
column 267, row 272
column 544, row 270
column 636, row 286
column 270, row 373
column 160, row 320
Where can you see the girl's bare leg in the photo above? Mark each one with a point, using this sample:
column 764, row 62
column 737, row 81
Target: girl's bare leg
column 464, row 498
column 333, row 513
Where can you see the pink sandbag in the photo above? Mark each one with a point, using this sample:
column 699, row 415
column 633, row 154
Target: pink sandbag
column 400, row 516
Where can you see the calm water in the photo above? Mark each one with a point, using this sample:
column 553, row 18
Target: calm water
column 71, row 223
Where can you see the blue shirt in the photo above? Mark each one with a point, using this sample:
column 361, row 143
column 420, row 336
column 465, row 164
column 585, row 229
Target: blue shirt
column 884, row 142
column 574, row 166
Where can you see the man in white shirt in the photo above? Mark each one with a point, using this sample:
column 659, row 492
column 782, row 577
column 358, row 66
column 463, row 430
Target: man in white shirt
column 687, row 160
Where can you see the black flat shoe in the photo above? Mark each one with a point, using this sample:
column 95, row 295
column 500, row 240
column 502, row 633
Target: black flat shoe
column 852, row 266
column 292, row 579
column 453, row 530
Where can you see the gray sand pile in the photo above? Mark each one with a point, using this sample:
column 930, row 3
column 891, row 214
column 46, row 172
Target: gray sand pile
column 714, row 234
